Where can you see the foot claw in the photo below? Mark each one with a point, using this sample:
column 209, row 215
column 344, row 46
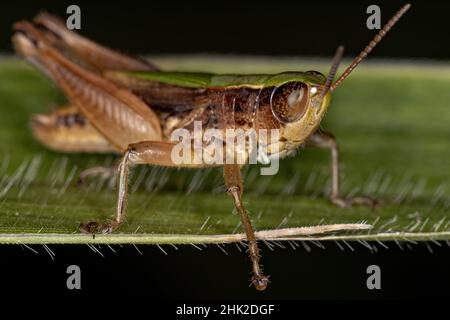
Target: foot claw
column 260, row 282
column 93, row 227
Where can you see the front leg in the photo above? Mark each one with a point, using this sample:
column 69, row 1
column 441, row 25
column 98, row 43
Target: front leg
column 233, row 181
column 327, row 140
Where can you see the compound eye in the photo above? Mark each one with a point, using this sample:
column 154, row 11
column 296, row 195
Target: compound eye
column 289, row 101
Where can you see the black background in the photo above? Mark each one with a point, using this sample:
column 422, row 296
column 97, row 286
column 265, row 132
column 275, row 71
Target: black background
column 188, row 273
column 272, row 28
column 296, row 28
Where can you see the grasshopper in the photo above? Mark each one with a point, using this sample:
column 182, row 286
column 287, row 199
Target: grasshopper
column 123, row 104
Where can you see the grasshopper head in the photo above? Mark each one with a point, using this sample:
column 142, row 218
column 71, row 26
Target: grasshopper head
column 301, row 103
column 304, row 99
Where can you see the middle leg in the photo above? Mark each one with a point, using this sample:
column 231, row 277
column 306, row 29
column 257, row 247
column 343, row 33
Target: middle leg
column 147, row 152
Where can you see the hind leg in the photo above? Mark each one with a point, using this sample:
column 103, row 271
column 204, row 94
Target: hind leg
column 117, row 114
column 66, row 130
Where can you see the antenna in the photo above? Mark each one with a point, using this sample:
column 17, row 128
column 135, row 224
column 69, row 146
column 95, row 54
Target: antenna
column 334, row 66
column 371, row 45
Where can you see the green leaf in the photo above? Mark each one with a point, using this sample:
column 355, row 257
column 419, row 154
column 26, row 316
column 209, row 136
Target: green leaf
column 391, row 120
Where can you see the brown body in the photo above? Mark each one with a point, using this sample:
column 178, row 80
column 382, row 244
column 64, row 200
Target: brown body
column 225, row 108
